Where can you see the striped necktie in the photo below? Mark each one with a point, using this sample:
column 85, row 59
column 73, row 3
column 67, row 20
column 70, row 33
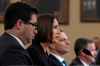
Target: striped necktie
column 64, row 63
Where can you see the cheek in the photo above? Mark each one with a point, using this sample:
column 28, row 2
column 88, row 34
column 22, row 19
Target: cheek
column 29, row 32
column 94, row 53
column 60, row 45
column 55, row 31
column 64, row 45
column 55, row 35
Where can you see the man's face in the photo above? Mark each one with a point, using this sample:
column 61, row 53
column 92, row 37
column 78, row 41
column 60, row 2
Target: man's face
column 30, row 29
column 97, row 42
column 92, row 48
column 61, row 43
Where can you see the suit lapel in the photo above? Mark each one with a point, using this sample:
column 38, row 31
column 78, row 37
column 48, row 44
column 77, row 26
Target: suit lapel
column 15, row 44
column 54, row 61
column 79, row 62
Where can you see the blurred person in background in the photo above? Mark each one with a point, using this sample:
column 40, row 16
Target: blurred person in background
column 59, row 47
column 97, row 42
column 85, row 51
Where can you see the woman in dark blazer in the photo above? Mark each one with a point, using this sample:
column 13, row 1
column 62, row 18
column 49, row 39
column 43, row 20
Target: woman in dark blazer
column 47, row 26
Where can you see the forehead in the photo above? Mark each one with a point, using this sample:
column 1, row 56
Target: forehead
column 33, row 18
column 91, row 45
column 55, row 22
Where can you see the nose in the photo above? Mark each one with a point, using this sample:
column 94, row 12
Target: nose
column 35, row 31
column 58, row 30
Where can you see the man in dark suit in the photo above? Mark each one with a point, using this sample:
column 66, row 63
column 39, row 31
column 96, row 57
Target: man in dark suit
column 76, row 62
column 85, row 51
column 58, row 48
column 20, row 28
column 97, row 42
column 98, row 58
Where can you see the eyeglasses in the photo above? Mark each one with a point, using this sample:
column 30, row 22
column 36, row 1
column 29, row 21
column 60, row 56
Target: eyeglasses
column 33, row 24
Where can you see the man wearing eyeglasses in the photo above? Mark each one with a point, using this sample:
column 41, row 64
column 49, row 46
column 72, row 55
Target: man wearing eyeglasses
column 97, row 42
column 20, row 28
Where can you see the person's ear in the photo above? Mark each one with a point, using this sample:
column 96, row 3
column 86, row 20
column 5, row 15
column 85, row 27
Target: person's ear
column 18, row 23
column 51, row 46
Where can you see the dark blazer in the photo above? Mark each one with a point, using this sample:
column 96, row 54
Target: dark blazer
column 76, row 62
column 11, row 53
column 98, row 58
column 53, row 61
column 39, row 57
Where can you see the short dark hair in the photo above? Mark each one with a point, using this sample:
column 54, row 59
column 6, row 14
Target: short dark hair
column 17, row 11
column 81, row 43
column 45, row 27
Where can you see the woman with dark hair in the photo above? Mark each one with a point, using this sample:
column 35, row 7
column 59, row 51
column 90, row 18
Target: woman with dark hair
column 47, row 28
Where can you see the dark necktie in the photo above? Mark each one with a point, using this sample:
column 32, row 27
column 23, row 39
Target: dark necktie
column 64, row 63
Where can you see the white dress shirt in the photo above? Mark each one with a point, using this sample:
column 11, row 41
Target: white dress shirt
column 85, row 64
column 61, row 59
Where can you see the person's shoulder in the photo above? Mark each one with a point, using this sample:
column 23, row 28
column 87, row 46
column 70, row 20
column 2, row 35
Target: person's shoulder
column 75, row 62
column 98, row 58
column 6, row 37
column 98, row 55
column 53, row 60
column 14, row 57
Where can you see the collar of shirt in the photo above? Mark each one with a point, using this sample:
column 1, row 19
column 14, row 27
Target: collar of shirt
column 20, row 42
column 85, row 64
column 61, row 59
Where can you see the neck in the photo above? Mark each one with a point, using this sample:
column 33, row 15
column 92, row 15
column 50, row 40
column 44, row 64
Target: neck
column 12, row 32
column 55, row 52
column 17, row 34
